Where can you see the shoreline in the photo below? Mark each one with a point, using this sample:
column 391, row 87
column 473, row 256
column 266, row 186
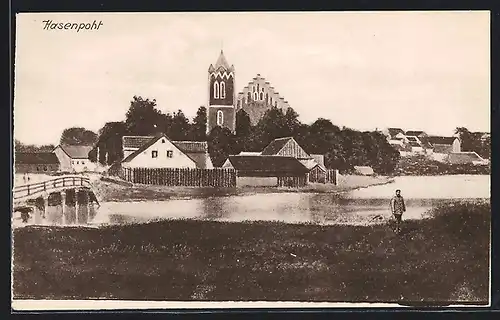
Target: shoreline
column 120, row 191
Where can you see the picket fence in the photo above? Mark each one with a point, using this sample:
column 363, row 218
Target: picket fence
column 186, row 177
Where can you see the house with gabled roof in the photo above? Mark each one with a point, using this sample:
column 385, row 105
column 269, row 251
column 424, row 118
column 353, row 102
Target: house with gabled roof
column 161, row 152
column 286, row 148
column 36, row 162
column 74, row 158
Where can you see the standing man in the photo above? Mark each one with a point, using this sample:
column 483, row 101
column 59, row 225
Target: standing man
column 398, row 207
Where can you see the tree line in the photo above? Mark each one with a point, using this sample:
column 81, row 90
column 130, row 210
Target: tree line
column 343, row 147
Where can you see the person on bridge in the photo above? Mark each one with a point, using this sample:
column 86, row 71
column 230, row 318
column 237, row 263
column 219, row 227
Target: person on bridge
column 398, row 207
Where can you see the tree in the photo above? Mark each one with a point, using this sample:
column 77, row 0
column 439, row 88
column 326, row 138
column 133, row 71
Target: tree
column 243, row 124
column 143, row 118
column 221, row 143
column 78, row 136
column 21, row 147
column 109, row 142
column 199, row 126
column 180, row 127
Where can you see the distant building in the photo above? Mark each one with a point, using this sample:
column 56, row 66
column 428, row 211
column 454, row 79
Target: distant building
column 267, row 170
column 443, row 146
column 295, row 157
column 39, row 162
column 74, row 158
column 416, row 133
column 161, row 152
column 257, row 97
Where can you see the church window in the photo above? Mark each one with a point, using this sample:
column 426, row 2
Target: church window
column 220, row 118
column 258, row 87
column 216, row 90
column 249, row 97
column 254, row 89
column 271, row 99
column 267, row 98
column 261, row 96
column 222, row 90
column 275, row 103
column 255, row 96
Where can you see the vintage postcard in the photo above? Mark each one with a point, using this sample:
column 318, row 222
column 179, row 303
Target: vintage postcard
column 264, row 159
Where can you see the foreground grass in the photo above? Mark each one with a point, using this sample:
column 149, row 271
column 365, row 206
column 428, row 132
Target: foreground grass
column 440, row 259
column 120, row 191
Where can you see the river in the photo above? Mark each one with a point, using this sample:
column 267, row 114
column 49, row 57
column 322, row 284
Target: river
column 358, row 207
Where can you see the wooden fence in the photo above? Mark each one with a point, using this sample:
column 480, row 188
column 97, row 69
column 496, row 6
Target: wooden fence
column 292, row 182
column 219, row 178
column 332, row 176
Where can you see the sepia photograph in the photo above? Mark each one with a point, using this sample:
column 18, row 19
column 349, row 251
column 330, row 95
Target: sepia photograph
column 251, row 160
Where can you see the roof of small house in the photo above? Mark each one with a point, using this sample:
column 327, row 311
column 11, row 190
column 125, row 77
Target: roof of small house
column 415, row 133
column 364, row 169
column 77, row 152
column 192, row 146
column 442, row 148
column 464, row 157
column 36, row 158
column 319, row 158
column 275, row 146
column 267, row 164
column 395, row 131
column 197, row 151
column 133, row 142
column 441, row 140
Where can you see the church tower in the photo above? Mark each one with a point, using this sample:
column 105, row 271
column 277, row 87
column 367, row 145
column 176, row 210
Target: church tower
column 221, row 95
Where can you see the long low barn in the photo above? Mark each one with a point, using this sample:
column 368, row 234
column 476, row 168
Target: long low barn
column 268, row 170
column 36, row 162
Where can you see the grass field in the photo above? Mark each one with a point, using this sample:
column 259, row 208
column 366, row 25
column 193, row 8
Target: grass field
column 434, row 260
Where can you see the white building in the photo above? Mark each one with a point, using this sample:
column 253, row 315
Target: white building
column 74, row 158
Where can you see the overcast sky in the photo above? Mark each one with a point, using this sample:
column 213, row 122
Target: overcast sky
column 364, row 70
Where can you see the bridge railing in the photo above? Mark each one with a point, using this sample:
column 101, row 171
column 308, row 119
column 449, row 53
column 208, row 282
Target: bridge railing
column 50, row 185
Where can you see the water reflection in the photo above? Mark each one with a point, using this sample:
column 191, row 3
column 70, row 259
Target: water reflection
column 359, row 207
column 291, row 208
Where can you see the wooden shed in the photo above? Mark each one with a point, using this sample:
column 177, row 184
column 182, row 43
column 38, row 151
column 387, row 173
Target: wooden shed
column 268, row 170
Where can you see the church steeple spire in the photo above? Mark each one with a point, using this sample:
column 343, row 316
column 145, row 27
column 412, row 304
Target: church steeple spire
column 222, row 62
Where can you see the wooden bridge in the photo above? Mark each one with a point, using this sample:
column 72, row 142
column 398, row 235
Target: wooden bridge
column 67, row 199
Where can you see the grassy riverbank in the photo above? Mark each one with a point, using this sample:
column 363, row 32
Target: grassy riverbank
column 440, row 259
column 110, row 191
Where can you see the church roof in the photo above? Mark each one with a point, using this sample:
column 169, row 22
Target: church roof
column 222, row 62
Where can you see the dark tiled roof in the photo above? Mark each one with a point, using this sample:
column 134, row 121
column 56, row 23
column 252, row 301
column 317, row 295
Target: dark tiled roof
column 267, row 164
column 36, row 158
column 414, row 133
column 442, row 148
column 77, row 152
column 395, row 131
column 135, row 141
column 192, row 146
column 411, row 138
column 441, row 140
column 275, row 146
